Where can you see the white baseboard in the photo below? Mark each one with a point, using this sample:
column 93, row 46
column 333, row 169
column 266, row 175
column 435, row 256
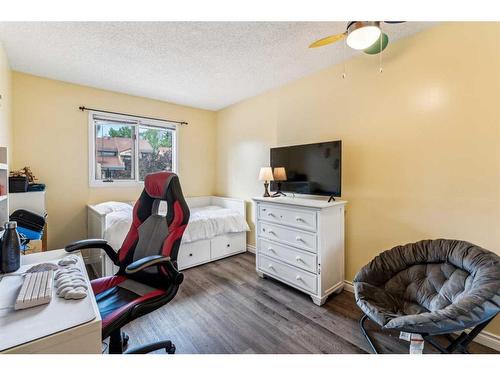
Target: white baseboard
column 488, row 339
column 251, row 248
column 348, row 286
column 484, row 338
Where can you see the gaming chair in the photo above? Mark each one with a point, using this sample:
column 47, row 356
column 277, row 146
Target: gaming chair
column 147, row 277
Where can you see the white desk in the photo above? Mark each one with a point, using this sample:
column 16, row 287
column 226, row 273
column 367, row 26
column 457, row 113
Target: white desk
column 62, row 326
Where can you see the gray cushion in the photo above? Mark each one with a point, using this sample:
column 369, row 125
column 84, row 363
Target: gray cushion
column 431, row 286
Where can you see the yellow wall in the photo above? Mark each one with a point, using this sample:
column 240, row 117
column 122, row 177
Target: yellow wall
column 421, row 141
column 51, row 136
column 5, row 102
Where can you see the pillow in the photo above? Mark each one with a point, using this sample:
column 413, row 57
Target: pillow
column 108, row 207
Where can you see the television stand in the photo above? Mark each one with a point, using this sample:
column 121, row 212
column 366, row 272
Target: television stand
column 332, row 198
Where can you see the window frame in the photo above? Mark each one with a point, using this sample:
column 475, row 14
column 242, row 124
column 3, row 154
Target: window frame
column 137, row 123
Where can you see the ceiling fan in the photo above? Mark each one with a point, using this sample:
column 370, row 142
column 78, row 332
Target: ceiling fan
column 360, row 35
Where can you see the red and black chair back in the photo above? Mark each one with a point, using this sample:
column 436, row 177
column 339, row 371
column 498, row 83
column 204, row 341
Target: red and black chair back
column 152, row 233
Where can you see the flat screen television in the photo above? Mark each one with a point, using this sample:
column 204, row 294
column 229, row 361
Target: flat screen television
column 311, row 169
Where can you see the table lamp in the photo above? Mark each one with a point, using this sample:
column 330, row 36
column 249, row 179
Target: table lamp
column 266, row 175
column 279, row 176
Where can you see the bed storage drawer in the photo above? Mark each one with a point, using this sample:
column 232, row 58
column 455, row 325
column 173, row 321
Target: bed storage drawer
column 303, row 219
column 288, row 236
column 289, row 274
column 295, row 257
column 193, row 253
column 227, row 244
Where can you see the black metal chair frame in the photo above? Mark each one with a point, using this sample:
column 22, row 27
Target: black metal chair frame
column 457, row 344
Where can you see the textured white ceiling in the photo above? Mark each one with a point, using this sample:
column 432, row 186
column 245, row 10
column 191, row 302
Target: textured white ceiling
column 202, row 64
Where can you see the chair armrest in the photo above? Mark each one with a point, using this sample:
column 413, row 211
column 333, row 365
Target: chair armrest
column 156, row 260
column 94, row 244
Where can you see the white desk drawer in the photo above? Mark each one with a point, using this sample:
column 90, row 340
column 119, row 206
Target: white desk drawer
column 227, row 244
column 290, row 274
column 294, row 257
column 289, row 236
column 298, row 218
column 193, row 253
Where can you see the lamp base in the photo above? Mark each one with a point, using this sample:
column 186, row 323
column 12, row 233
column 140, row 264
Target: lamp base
column 279, row 193
column 266, row 191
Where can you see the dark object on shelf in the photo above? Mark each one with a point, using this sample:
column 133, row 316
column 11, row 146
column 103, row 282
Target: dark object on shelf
column 147, row 259
column 24, row 172
column 10, row 254
column 433, row 288
column 28, row 219
column 36, row 187
column 18, row 184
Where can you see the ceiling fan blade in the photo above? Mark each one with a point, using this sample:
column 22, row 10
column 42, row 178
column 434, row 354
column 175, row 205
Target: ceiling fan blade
column 328, row 40
column 394, row 22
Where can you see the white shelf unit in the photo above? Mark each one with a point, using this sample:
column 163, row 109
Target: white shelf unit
column 4, row 186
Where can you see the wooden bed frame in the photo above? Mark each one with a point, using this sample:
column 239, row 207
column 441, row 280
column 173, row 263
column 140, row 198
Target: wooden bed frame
column 190, row 254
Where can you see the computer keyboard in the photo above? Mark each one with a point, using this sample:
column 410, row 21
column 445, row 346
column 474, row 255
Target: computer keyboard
column 36, row 290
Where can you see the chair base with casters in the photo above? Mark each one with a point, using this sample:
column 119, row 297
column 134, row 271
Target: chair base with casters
column 118, row 342
column 458, row 344
column 434, row 288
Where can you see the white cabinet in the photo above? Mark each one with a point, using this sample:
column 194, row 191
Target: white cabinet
column 4, row 187
column 301, row 243
column 33, row 201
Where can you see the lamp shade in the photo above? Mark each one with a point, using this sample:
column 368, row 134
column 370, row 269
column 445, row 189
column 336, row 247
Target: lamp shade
column 266, row 174
column 362, row 34
column 279, row 174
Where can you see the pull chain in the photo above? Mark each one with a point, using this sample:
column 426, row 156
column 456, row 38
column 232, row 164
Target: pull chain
column 380, row 53
column 344, row 74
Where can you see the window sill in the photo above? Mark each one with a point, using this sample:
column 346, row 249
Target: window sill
column 116, row 184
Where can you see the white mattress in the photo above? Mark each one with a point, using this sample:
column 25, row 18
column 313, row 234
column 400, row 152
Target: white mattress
column 204, row 222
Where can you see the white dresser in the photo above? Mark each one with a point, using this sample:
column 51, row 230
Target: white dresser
column 301, row 243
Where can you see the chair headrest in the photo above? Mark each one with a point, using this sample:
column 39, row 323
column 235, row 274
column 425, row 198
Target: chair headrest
column 156, row 184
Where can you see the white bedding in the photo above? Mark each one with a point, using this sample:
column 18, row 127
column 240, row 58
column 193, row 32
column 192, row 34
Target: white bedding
column 204, row 222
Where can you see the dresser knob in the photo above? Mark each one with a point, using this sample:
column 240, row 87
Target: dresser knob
column 298, row 238
column 270, row 266
column 298, row 277
column 271, row 232
column 228, row 245
column 190, row 254
column 298, row 258
column 270, row 249
column 270, row 214
column 298, row 218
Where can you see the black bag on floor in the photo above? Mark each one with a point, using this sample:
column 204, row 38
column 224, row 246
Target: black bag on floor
column 28, row 219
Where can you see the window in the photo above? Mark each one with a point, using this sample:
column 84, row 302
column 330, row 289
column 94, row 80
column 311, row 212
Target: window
column 124, row 149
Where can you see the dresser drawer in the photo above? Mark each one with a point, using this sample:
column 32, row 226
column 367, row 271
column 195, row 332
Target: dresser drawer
column 290, row 255
column 227, row 244
column 193, row 253
column 289, row 274
column 303, row 219
column 288, row 236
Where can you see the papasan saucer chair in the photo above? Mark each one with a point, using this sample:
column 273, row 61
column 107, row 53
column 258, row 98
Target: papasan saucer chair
column 431, row 287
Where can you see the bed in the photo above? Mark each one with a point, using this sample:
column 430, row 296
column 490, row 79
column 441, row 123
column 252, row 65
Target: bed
column 217, row 229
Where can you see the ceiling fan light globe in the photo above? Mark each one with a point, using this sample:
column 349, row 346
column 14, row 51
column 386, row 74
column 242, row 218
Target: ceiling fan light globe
column 378, row 46
column 363, row 36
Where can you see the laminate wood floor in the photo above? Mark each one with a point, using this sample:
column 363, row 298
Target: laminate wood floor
column 224, row 307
